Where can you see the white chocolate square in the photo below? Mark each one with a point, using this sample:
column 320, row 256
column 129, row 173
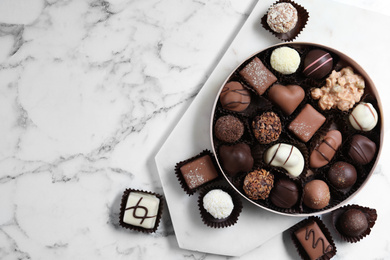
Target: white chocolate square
column 141, row 210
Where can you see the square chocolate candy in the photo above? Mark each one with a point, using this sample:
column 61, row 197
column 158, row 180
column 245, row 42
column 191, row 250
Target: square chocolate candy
column 306, row 124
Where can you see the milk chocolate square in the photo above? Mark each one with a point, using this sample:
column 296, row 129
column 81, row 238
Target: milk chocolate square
column 313, row 240
column 306, row 124
column 258, row 76
column 198, row 172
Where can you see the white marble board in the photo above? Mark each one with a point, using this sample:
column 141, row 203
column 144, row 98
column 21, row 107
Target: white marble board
column 191, row 135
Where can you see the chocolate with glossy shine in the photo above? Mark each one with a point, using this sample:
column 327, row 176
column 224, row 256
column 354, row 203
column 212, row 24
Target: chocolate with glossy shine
column 236, row 158
column 362, row 150
column 235, row 97
column 285, row 193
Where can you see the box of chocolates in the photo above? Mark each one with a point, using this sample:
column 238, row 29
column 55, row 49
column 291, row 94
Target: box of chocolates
column 297, row 128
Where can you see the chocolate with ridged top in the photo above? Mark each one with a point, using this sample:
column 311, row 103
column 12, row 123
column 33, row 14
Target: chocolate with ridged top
column 324, row 152
column 317, row 64
column 285, row 193
column 362, row 150
column 236, row 158
column 342, row 175
column 235, row 97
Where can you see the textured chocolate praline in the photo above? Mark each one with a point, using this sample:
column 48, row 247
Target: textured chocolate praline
column 235, row 97
column 352, row 222
column 324, row 152
column 317, row 64
column 228, row 129
column 285, row 60
column 236, row 158
column 267, row 127
column 257, row 75
column 287, row 97
column 313, row 240
column 285, row 193
column 342, row 175
column 282, row 17
column 362, row 150
column 306, row 124
column 316, row 194
column 258, row 184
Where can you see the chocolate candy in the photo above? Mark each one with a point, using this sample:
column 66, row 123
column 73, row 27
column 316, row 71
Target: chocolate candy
column 342, row 175
column 218, row 203
column 285, row 60
column 258, row 184
column 282, row 17
column 257, row 75
column 316, row 194
column 267, row 127
column 285, row 193
column 198, row 172
column 317, row 64
column 352, row 222
column 324, row 152
column 362, row 150
column 306, row 124
column 228, row 129
column 287, row 97
column 234, row 97
column 286, row 156
column 313, row 240
column 236, row 158
column 363, row 117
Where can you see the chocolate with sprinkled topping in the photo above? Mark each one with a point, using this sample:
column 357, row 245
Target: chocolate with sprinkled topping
column 258, row 76
column 198, row 172
column 267, row 127
column 228, row 129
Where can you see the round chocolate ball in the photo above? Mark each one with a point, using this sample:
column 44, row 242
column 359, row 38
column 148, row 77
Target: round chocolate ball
column 285, row 193
column 317, row 64
column 228, row 129
column 235, row 158
column 258, row 184
column 234, row 97
column 282, row 17
column 267, row 127
column 285, row 60
column 342, row 175
column 353, row 223
column 316, row 194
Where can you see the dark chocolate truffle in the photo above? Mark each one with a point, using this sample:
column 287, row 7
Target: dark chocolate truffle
column 267, row 127
column 317, row 64
column 362, row 150
column 258, row 184
column 287, row 97
column 342, row 175
column 324, row 152
column 236, row 158
column 234, row 97
column 285, row 193
column 316, row 194
column 353, row 223
column 228, row 129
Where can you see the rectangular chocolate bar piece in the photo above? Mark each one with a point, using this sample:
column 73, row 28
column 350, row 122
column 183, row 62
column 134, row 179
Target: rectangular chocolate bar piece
column 198, row 172
column 313, row 240
column 306, row 124
column 258, row 76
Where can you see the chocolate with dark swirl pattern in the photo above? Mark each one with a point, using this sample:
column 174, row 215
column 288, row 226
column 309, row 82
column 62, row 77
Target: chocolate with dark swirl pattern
column 235, row 97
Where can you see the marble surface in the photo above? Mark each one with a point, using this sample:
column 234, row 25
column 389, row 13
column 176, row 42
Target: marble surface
column 90, row 91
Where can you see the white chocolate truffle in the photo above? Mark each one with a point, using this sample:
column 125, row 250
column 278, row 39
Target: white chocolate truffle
column 285, row 60
column 141, row 210
column 286, row 156
column 363, row 117
column 218, row 203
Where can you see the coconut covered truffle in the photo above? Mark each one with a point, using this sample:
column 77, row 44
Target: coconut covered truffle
column 282, row 17
column 218, row 203
column 285, row 60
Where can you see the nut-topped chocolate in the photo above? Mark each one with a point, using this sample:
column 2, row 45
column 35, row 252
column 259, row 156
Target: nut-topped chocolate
column 267, row 127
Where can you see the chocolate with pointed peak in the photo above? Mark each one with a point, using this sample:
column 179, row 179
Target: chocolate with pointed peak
column 236, row 158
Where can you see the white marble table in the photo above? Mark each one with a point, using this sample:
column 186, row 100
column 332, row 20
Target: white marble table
column 89, row 92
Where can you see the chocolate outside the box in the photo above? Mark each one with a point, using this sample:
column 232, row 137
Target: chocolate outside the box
column 208, row 219
column 370, row 214
column 303, row 17
column 313, row 232
column 209, row 173
column 125, row 196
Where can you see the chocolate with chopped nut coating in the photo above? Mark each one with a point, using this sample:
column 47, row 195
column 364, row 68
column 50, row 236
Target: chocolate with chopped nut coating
column 267, row 127
column 258, row 184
